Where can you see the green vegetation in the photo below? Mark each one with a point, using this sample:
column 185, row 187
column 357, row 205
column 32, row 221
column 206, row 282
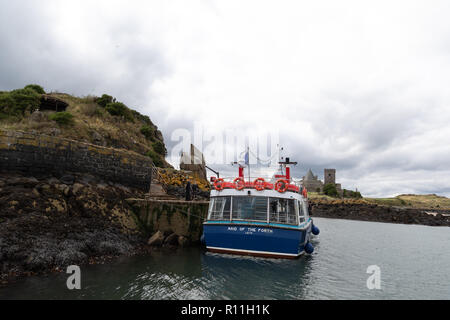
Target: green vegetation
column 142, row 118
column 104, row 100
column 429, row 201
column 159, row 148
column 148, row 132
column 120, row 110
column 36, row 88
column 351, row 194
column 330, row 190
column 62, row 118
column 16, row 104
column 156, row 158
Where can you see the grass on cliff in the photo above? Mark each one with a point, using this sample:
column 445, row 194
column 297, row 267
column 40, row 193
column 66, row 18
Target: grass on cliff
column 429, row 201
column 97, row 120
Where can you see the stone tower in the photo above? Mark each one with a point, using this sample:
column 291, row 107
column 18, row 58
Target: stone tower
column 329, row 176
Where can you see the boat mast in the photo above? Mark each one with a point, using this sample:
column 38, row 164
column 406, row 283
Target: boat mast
column 248, row 162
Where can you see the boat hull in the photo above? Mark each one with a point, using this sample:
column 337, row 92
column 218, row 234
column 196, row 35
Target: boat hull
column 256, row 240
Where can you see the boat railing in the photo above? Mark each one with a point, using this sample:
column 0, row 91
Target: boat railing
column 255, row 182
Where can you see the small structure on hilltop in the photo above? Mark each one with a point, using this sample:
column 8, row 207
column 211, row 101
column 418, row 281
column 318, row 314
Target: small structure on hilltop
column 51, row 103
column 194, row 162
column 312, row 182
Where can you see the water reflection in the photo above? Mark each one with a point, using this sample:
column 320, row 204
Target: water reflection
column 413, row 259
column 237, row 277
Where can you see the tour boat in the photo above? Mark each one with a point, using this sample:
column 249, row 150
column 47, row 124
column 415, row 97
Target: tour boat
column 258, row 217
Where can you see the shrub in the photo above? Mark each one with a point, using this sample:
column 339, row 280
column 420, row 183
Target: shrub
column 37, row 88
column 148, row 132
column 159, row 148
column 141, row 117
column 352, row 194
column 156, row 158
column 62, row 118
column 330, row 190
column 119, row 109
column 16, row 103
column 105, row 100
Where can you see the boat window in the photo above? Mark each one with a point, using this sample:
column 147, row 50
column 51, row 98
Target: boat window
column 305, row 209
column 302, row 212
column 282, row 211
column 250, row 208
column 219, row 208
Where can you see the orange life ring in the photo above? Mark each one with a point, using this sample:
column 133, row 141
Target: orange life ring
column 283, row 188
column 219, row 184
column 259, row 184
column 239, row 183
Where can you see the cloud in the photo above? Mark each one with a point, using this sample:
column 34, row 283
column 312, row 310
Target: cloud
column 357, row 86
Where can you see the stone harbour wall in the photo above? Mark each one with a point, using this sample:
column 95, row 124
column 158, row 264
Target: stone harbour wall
column 35, row 154
column 183, row 218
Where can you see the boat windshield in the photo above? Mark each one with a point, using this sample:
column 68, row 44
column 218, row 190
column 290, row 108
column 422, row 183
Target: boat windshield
column 259, row 209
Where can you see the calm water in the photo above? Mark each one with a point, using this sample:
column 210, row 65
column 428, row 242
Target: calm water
column 414, row 262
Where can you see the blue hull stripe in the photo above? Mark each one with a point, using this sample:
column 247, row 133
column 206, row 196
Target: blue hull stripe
column 256, row 238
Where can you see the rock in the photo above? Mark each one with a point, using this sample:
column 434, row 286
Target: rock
column 98, row 139
column 66, row 191
column 61, row 187
column 55, row 132
column 156, row 240
column 77, row 187
column 183, row 241
column 87, row 179
column 159, row 135
column 27, row 182
column 70, row 256
column 40, row 260
column 171, row 240
column 53, row 181
column 45, row 187
column 38, row 116
column 67, row 179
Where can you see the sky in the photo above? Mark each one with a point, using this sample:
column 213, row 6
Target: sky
column 360, row 86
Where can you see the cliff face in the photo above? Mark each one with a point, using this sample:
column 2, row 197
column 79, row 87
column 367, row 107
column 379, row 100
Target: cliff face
column 67, row 164
column 37, row 154
column 101, row 121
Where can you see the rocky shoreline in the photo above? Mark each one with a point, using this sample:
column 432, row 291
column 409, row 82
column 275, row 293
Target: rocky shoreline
column 376, row 213
column 48, row 223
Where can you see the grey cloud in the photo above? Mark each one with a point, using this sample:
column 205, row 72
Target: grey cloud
column 31, row 53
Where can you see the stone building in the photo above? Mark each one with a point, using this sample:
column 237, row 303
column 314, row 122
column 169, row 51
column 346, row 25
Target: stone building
column 313, row 184
column 194, row 162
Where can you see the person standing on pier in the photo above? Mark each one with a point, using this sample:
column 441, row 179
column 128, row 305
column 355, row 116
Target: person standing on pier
column 188, row 191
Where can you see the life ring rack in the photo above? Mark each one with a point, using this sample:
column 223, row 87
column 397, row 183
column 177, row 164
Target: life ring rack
column 259, row 184
column 239, row 183
column 219, row 184
column 283, row 188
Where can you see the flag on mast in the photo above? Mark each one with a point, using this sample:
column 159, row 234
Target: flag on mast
column 246, row 157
